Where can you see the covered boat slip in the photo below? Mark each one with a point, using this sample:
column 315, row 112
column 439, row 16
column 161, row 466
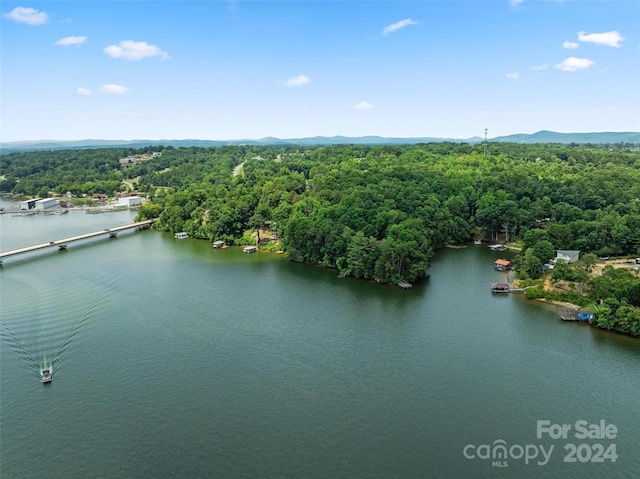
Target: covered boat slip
column 502, row 264
column 500, row 288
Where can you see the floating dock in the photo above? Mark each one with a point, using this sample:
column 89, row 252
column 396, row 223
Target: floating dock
column 570, row 314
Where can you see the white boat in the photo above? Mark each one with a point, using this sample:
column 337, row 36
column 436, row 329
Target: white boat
column 181, row 235
column 46, row 375
column 477, row 242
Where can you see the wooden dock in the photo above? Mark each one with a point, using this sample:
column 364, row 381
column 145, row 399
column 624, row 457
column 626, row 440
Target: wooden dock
column 570, row 314
column 62, row 243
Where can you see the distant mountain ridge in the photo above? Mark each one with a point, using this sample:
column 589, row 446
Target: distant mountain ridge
column 545, row 136
column 539, row 137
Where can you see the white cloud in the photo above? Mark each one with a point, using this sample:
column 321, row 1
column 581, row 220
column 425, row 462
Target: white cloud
column 398, row 25
column 84, row 91
column 113, row 89
column 131, row 50
column 513, row 76
column 67, row 41
column 298, row 81
column 570, row 45
column 539, row 67
column 610, row 39
column 573, row 64
column 515, row 3
column 30, row 16
column 363, row 105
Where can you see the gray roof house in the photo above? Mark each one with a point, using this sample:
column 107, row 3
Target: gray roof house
column 570, row 256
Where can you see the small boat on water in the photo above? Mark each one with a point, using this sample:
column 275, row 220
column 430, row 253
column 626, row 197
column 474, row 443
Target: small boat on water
column 46, row 375
column 181, row 235
column 477, row 242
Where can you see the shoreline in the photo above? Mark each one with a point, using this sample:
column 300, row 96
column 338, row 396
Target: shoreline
column 560, row 303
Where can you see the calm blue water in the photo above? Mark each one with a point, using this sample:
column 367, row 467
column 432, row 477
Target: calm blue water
column 173, row 359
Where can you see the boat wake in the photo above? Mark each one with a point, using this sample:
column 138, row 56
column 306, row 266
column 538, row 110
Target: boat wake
column 40, row 321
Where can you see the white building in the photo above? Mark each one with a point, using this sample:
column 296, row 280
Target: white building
column 38, row 204
column 130, row 201
column 46, row 203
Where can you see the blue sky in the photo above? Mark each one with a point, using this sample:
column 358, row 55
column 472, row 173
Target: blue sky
column 223, row 70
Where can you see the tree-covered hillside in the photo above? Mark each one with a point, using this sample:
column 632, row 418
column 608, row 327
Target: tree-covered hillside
column 375, row 212
column 399, row 202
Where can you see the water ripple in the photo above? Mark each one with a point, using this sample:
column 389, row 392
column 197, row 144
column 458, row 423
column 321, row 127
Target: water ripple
column 40, row 319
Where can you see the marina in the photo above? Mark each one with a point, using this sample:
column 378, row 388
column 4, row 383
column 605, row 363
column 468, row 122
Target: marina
column 21, row 214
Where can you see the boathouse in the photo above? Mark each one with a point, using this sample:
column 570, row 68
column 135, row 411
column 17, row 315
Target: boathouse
column 46, row 203
column 404, row 285
column 502, row 264
column 250, row 249
column 29, row 204
column 500, row 288
column 38, row 204
column 130, row 201
column 218, row 244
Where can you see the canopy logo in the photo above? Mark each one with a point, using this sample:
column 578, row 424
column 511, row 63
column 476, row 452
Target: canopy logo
column 500, row 453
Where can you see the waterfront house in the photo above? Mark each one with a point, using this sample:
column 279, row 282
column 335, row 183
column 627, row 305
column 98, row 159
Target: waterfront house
column 569, row 256
column 502, row 264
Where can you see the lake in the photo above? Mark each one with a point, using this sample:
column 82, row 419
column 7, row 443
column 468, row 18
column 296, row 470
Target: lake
column 174, row 359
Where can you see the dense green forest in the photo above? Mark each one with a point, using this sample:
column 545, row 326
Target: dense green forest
column 375, row 212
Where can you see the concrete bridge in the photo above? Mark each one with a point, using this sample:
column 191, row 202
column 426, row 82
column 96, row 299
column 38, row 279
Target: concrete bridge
column 62, row 243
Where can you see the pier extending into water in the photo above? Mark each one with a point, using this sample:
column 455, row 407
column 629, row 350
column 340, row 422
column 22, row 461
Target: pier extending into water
column 62, row 243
